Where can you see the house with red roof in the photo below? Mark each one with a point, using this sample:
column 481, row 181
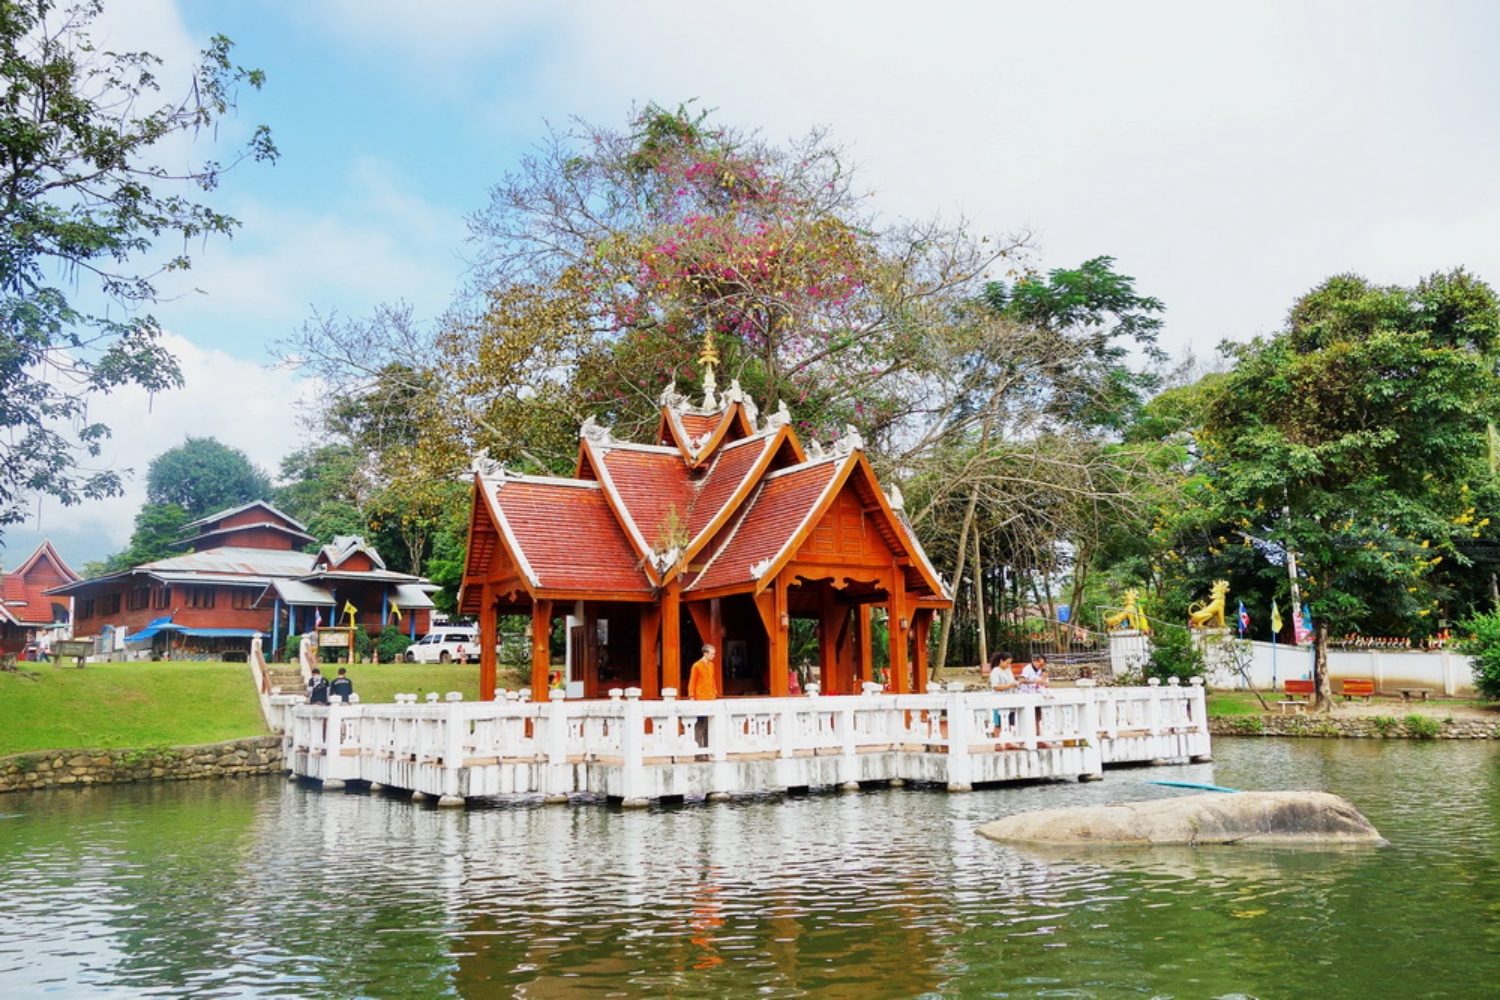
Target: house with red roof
column 724, row 530
column 25, row 606
column 246, row 572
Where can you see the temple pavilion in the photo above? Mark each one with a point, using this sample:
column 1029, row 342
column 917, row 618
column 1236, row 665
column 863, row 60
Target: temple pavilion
column 724, row 530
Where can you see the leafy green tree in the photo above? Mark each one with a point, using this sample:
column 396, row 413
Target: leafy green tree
column 84, row 196
column 203, row 476
column 323, row 487
column 1483, row 646
column 157, row 527
column 1355, row 439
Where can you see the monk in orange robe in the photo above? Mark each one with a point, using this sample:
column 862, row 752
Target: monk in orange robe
column 703, row 685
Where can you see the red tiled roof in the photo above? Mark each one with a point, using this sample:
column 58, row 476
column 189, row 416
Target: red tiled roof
column 22, row 590
column 768, row 520
column 652, row 486
column 564, row 535
column 731, row 465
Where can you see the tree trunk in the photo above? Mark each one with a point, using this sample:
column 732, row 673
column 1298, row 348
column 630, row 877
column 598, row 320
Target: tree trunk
column 984, row 646
column 958, row 579
column 1322, row 691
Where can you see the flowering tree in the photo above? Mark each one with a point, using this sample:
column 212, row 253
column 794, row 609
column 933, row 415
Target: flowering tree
column 678, row 231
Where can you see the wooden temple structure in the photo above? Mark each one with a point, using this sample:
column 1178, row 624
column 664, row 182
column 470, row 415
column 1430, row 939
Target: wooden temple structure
column 722, row 530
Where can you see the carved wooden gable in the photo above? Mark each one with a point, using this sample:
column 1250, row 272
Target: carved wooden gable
column 845, row 534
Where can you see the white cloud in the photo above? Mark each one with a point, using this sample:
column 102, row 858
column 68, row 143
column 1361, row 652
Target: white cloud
column 239, row 403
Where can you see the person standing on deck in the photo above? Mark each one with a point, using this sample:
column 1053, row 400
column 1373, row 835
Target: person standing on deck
column 703, row 686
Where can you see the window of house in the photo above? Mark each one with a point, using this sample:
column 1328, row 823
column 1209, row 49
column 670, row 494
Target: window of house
column 163, row 598
column 137, row 598
column 85, row 607
column 199, row 597
column 111, row 604
column 241, row 599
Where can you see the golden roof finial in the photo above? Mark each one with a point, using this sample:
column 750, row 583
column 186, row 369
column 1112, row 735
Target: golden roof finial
column 708, row 357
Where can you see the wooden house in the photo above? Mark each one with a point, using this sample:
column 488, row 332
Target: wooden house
column 26, row 607
column 725, row 530
column 247, row 574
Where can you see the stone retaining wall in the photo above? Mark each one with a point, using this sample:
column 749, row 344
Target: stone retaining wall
column 1374, row 727
column 55, row 768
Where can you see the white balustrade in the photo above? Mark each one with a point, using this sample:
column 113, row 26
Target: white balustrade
column 547, row 746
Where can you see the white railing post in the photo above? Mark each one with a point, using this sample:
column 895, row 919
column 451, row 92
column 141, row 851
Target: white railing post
column 557, row 784
column 960, row 765
column 717, row 714
column 632, row 750
column 786, row 730
column 1153, row 706
column 1026, row 714
column 452, row 743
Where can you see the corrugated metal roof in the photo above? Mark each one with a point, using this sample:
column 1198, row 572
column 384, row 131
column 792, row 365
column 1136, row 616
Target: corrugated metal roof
column 300, row 592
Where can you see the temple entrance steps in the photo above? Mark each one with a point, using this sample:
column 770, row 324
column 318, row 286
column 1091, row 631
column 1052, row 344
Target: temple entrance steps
column 638, row 751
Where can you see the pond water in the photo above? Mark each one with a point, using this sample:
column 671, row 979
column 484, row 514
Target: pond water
column 269, row 888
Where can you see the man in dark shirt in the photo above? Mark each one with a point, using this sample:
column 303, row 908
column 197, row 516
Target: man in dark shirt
column 342, row 686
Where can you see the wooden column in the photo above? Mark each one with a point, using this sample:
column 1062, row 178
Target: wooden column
column 921, row 627
column 671, row 638
column 780, row 633
column 899, row 677
column 541, row 648
column 716, row 637
column 650, row 651
column 828, row 649
column 866, row 670
column 487, row 639
column 589, row 668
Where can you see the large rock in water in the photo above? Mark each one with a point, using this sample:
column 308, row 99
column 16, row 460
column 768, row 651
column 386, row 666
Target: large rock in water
column 1210, row 818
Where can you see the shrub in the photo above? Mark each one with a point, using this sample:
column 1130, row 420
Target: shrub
column 1483, row 647
column 1422, row 727
column 1250, row 725
column 1173, row 654
column 391, row 645
column 291, row 648
column 1385, row 725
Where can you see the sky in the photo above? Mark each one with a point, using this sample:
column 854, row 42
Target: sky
column 1228, row 156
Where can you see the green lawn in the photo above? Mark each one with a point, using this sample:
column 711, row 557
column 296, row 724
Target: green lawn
column 115, row 705
column 110, row 705
column 1222, row 703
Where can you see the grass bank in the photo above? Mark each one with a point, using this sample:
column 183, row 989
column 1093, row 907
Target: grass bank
column 129, row 705
column 126, row 705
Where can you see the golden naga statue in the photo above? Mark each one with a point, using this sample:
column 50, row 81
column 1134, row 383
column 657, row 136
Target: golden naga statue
column 1129, row 616
column 1210, row 615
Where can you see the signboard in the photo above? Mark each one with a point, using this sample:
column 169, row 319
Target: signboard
column 330, row 638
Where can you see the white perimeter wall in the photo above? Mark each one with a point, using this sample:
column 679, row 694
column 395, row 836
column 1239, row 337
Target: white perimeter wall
column 1267, row 665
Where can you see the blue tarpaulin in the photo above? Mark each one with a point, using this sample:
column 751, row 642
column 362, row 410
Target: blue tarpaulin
column 221, row 633
column 154, row 626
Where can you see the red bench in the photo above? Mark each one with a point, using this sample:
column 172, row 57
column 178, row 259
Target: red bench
column 1358, row 687
column 1294, row 691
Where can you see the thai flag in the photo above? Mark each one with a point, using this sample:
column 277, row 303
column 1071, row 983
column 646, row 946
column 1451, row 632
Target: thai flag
column 1244, row 619
column 318, row 618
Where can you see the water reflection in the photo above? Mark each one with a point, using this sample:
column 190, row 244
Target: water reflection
column 266, row 888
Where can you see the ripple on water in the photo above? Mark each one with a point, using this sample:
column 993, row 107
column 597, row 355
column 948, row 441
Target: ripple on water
column 270, row 889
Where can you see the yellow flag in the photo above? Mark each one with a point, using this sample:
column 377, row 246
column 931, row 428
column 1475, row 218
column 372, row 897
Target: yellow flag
column 351, row 611
column 1275, row 617
column 396, row 612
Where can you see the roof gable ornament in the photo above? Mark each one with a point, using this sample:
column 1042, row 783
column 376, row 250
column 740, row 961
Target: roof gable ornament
column 898, row 502
column 850, row 441
column 596, row 433
column 488, row 467
column 814, row 451
column 670, row 397
column 780, row 418
column 757, row 570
